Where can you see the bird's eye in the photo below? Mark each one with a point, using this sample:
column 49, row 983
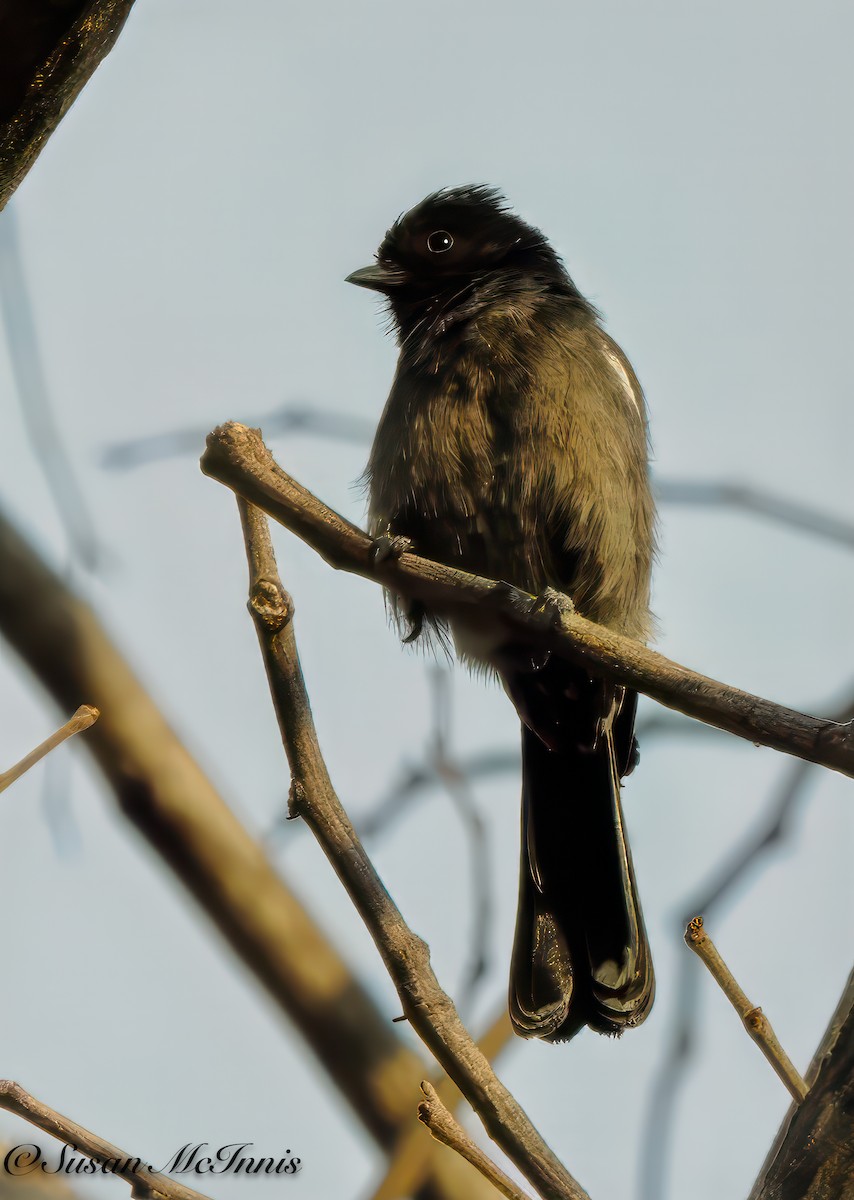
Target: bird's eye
column 439, row 242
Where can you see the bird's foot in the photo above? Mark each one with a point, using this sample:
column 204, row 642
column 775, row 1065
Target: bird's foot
column 389, row 546
column 550, row 606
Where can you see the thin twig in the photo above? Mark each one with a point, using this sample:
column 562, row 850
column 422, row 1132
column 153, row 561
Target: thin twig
column 753, row 1018
column 237, row 457
column 145, row 1181
column 84, row 718
column 445, row 1128
column 407, row 958
column 409, row 1164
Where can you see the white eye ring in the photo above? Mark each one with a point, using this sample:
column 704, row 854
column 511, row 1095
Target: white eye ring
column 439, row 241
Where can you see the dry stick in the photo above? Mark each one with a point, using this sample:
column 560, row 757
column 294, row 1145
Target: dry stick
column 237, row 457
column 163, row 792
column 753, row 1018
column 143, row 1179
column 84, row 718
column 409, row 1165
column 444, row 1128
column 407, row 958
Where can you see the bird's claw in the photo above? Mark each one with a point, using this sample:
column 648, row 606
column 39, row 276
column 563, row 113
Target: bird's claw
column 416, row 627
column 389, row 546
column 551, row 605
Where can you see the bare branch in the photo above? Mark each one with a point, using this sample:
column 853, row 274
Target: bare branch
column 84, row 718
column 144, row 1180
column 164, row 793
column 444, row 1128
column 407, row 958
column 237, row 457
column 812, row 1157
column 753, row 1018
column 63, row 68
column 409, row 1164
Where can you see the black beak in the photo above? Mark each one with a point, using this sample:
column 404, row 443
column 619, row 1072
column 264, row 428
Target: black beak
column 378, row 278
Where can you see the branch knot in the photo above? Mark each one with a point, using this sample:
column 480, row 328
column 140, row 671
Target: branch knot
column 269, row 605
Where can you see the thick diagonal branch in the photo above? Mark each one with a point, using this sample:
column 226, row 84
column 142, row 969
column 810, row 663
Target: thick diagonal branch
column 49, row 52
column 237, row 457
column 407, row 958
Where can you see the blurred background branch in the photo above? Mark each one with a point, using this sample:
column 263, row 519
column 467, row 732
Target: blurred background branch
column 346, row 427
column 34, row 400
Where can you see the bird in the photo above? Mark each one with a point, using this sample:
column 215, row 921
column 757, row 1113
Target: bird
column 514, row 445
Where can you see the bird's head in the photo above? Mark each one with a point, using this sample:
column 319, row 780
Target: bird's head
column 453, row 245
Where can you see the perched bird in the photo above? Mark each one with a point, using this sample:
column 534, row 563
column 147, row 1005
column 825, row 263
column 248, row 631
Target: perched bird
column 514, row 445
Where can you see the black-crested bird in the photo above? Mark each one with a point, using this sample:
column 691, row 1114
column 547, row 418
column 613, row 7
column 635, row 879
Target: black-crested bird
column 514, row 445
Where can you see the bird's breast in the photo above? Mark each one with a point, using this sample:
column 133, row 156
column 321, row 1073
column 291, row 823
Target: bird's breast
column 441, row 467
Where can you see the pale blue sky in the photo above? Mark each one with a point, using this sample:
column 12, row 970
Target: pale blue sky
column 186, row 235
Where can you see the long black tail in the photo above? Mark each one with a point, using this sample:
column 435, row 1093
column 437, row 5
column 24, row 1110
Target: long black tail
column 581, row 955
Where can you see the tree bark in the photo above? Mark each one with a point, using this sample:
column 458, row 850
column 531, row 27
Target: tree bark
column 812, row 1157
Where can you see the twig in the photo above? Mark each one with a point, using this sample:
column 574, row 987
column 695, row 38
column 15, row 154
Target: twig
column 84, row 718
column 753, row 1018
column 164, row 793
column 409, row 1164
column 144, row 1180
column 60, row 77
column 407, row 958
column 237, row 457
column 444, row 1128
